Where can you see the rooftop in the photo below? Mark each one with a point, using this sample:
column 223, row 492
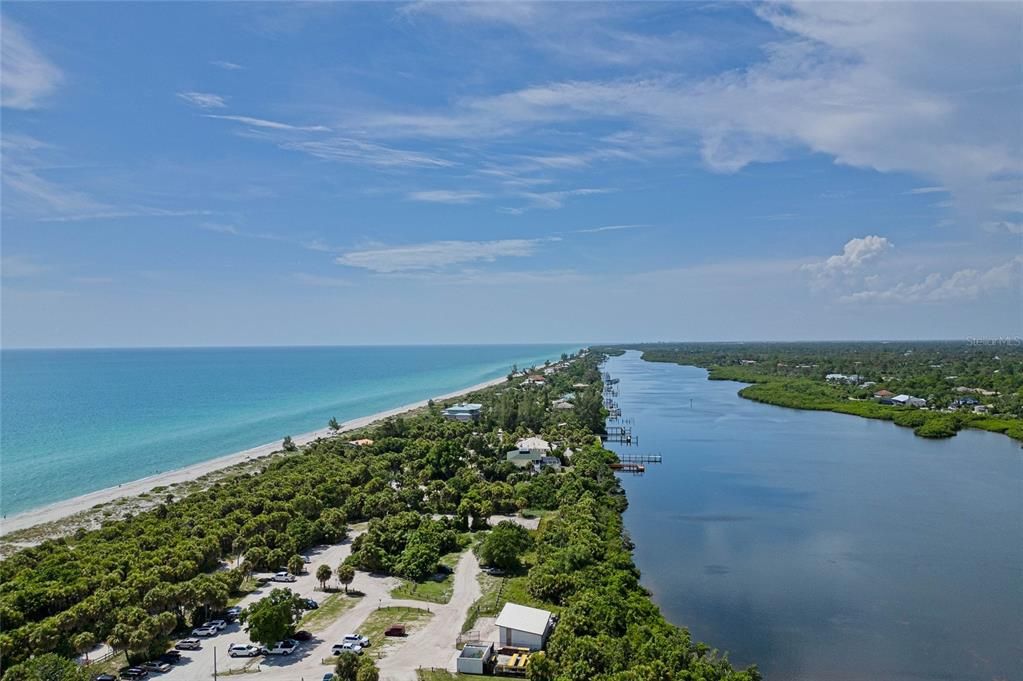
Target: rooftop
column 524, row 618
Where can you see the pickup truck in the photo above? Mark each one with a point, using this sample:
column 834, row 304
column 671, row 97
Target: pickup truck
column 281, row 648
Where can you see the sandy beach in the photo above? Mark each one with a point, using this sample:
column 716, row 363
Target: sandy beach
column 69, row 507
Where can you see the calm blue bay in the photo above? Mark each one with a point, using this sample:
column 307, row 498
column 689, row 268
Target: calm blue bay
column 824, row 547
column 76, row 421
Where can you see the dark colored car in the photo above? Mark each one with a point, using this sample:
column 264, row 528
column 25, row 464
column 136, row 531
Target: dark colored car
column 310, row 604
column 132, row 673
column 303, row 635
column 104, row 677
column 171, row 657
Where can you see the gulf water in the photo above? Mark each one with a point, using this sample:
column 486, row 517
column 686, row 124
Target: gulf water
column 824, row 547
column 76, row 421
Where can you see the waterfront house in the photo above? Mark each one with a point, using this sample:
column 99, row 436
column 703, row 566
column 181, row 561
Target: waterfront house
column 965, row 402
column 535, row 379
column 463, row 412
column 884, row 394
column 909, row 401
column 524, row 627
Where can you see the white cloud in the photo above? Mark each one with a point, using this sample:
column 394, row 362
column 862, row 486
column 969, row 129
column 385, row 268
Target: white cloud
column 272, row 125
column 608, row 228
column 437, row 254
column 446, row 196
column 349, row 150
column 204, row 100
column 27, row 77
column 929, row 89
column 965, row 284
column 227, row 65
column 927, row 190
column 855, row 254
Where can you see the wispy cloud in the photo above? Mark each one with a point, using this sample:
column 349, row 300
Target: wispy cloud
column 550, row 200
column 227, row 65
column 608, row 228
column 453, row 196
column 28, row 77
column 349, row 150
column 204, row 100
column 437, row 254
column 269, row 124
column 927, row 190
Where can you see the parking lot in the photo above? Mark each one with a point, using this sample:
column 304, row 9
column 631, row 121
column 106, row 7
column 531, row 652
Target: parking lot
column 430, row 646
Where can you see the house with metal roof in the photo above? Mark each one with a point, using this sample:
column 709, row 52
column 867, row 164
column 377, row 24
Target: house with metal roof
column 463, row 412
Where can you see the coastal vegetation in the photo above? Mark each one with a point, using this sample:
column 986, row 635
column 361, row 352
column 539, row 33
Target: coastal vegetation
column 424, row 484
column 964, row 385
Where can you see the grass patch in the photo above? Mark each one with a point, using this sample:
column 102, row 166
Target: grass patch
column 429, row 591
column 432, row 591
column 443, row 675
column 381, row 619
column 330, row 609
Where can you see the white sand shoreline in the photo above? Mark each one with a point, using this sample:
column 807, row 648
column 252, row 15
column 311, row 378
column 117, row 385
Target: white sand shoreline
column 68, row 507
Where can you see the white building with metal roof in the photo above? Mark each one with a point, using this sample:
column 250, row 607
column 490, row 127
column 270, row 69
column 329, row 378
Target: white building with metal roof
column 524, row 627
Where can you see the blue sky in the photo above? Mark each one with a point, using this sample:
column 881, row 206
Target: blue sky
column 236, row 174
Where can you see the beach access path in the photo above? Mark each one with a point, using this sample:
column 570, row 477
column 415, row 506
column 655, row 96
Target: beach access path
column 63, row 509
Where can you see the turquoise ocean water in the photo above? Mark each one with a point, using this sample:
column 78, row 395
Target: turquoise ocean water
column 76, row 421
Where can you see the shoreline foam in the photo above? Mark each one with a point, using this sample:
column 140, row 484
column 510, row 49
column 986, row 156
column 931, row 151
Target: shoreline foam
column 69, row 507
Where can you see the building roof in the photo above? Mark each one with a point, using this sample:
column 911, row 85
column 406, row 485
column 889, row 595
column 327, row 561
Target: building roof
column 464, row 407
column 524, row 618
column 534, row 443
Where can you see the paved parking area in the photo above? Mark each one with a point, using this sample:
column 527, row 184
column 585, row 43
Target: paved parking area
column 431, row 646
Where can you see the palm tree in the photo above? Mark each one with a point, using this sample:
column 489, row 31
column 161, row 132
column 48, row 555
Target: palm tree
column 345, row 575
column 323, row 573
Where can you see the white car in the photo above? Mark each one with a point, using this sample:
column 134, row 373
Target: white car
column 347, row 647
column 219, row 625
column 205, row 631
column 243, row 650
column 281, row 648
column 283, row 576
column 356, row 638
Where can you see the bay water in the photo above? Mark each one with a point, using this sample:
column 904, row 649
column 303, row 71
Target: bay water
column 824, row 546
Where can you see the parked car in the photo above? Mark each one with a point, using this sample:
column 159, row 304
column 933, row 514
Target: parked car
column 281, row 648
column 133, row 673
column 495, row 571
column 356, row 638
column 156, row 666
column 303, row 635
column 104, row 677
column 347, row 647
column 328, row 677
column 189, row 644
column 395, row 630
column 283, row 576
column 232, row 613
column 219, row 624
column 243, row 650
column 310, row 604
column 170, row 657
column 205, row 630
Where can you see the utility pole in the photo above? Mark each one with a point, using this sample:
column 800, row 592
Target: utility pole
column 214, row 663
